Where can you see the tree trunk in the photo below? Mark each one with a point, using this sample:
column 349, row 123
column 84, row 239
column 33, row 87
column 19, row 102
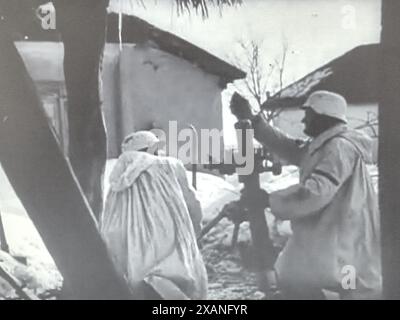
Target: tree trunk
column 389, row 146
column 83, row 28
column 42, row 179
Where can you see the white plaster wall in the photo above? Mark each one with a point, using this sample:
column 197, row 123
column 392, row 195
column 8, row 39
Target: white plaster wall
column 157, row 87
column 141, row 86
column 44, row 60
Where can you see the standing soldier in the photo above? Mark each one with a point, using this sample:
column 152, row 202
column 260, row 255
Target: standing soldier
column 333, row 209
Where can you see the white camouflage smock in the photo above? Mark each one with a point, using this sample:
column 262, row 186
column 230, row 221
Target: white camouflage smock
column 149, row 224
column 333, row 211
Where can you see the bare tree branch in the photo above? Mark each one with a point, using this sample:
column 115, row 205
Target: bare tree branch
column 262, row 78
column 370, row 123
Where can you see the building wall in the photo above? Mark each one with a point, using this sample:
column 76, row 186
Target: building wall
column 44, row 60
column 142, row 87
column 157, row 88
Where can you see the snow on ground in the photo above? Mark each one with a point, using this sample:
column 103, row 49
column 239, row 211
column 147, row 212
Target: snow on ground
column 230, row 273
column 40, row 274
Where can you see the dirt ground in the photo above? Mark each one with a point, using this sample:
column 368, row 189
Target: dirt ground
column 229, row 277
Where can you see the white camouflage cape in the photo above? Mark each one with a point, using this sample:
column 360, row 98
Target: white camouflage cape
column 148, row 228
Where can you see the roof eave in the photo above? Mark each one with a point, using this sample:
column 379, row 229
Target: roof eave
column 136, row 30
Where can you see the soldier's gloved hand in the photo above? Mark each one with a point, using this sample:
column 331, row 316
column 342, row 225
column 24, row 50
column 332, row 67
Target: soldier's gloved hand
column 241, row 108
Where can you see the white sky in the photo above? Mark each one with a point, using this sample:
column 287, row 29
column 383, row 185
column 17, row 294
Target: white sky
column 316, row 31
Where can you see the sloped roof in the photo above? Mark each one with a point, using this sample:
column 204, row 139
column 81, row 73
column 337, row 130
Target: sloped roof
column 136, row 30
column 353, row 75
